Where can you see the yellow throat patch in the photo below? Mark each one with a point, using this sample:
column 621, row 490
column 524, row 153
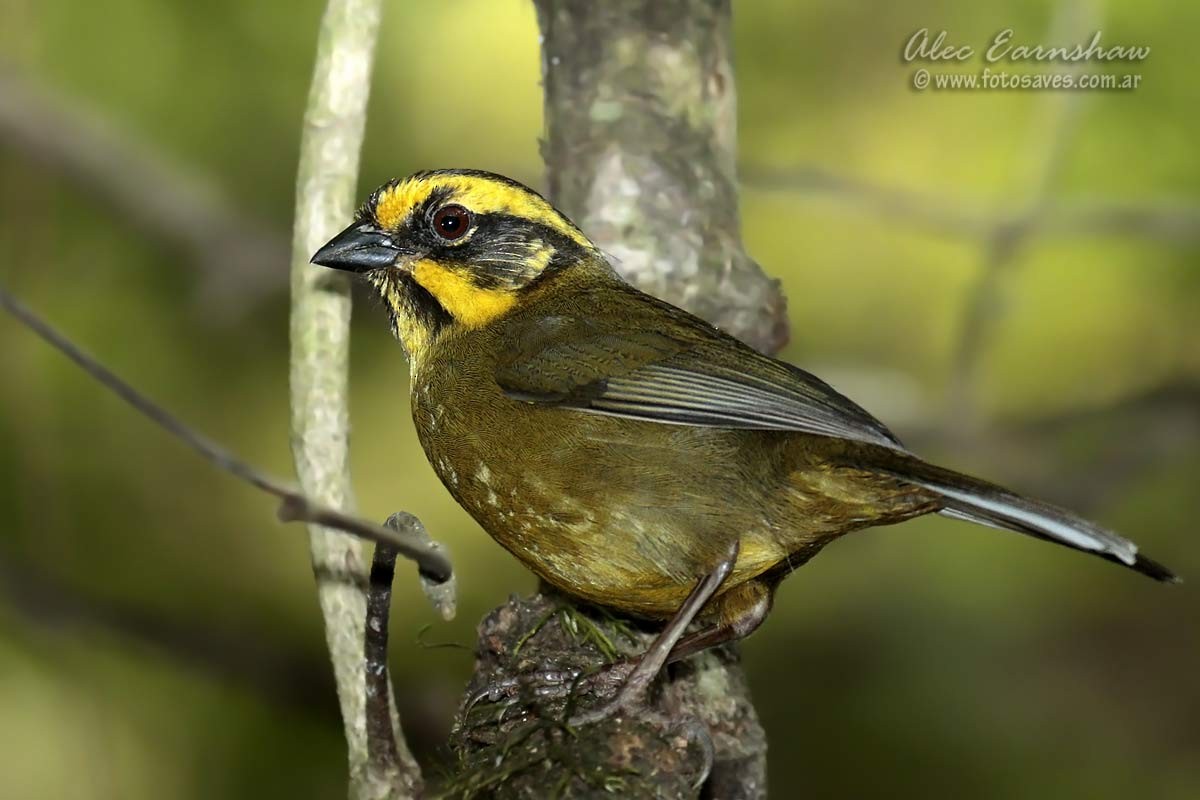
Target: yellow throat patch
column 471, row 305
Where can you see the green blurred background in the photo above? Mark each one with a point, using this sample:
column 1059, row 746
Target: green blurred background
column 159, row 635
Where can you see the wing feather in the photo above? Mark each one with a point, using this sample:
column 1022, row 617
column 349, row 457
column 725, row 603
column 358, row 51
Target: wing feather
column 687, row 373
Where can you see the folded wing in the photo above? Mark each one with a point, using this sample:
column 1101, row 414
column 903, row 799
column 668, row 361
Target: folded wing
column 689, row 375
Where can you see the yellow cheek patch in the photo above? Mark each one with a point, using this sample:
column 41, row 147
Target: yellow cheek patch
column 470, row 305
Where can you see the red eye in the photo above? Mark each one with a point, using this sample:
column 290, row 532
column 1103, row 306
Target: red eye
column 451, row 222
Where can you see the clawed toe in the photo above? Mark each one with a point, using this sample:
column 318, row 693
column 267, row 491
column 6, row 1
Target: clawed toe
column 552, row 684
column 541, row 684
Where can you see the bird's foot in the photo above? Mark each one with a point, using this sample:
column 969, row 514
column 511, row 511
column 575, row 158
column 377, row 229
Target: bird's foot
column 552, row 683
column 625, row 686
column 618, row 686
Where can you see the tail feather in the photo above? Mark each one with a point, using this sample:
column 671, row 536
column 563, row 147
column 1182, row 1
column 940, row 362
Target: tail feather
column 984, row 503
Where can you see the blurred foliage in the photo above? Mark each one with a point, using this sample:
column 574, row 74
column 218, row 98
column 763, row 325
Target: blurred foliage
column 932, row 660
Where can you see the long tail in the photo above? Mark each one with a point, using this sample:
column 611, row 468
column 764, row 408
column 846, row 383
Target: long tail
column 985, row 503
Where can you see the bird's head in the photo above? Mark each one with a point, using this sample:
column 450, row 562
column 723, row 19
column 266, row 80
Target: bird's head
column 454, row 247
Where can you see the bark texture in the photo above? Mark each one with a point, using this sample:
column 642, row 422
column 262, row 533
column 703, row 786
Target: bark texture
column 640, row 151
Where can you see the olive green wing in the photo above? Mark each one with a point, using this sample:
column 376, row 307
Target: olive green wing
column 673, row 369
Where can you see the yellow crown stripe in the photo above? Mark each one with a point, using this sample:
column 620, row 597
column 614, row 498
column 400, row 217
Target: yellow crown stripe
column 480, row 195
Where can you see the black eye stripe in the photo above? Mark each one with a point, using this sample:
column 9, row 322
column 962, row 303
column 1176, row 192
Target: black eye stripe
column 502, row 248
column 498, row 235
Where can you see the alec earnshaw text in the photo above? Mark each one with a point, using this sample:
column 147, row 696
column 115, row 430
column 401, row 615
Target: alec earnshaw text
column 924, row 46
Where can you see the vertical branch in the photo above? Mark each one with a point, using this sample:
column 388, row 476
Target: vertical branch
column 325, row 187
column 641, row 151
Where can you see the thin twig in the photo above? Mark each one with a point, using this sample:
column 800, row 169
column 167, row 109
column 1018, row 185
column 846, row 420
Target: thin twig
column 293, row 505
column 384, row 761
column 381, row 738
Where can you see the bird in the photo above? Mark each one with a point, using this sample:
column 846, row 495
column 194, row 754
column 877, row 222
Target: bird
column 627, row 452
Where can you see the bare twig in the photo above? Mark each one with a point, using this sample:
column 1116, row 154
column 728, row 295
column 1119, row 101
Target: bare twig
column 1166, row 220
column 381, row 737
column 383, row 754
column 293, row 505
column 240, row 257
column 320, row 333
column 1030, row 453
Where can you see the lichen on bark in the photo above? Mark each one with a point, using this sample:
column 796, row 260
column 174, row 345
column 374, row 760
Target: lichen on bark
column 641, row 151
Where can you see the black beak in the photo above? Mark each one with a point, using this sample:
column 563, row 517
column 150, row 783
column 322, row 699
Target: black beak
column 359, row 248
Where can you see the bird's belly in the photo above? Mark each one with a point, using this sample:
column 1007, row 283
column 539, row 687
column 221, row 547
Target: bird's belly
column 621, row 513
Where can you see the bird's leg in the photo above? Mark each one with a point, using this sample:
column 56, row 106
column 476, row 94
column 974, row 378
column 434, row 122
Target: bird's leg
column 652, row 661
column 740, row 611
